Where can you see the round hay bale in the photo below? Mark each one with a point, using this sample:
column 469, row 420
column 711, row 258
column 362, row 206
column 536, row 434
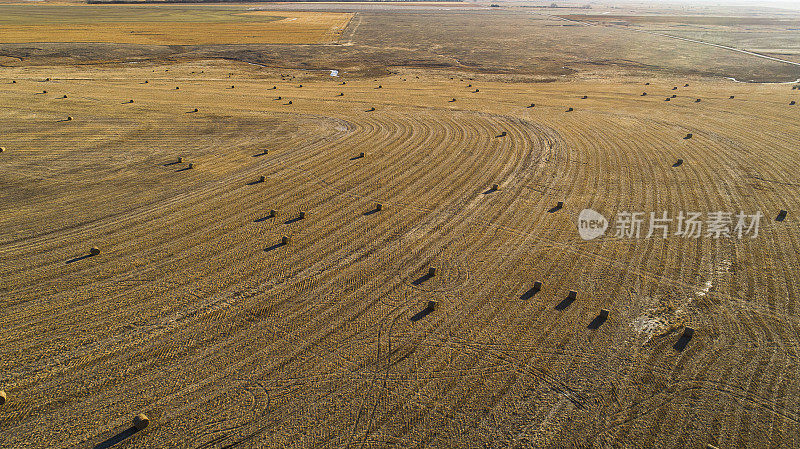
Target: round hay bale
column 47, row 79
column 69, row 118
column 195, row 110
column 180, row 160
column 191, row 166
column 533, row 105
column 674, row 96
column 570, row 110
column 145, row 81
column 177, row 88
column 380, row 87
column 290, row 102
column 584, row 97
column 697, row 101
column 232, row 87
column 791, row 103
column 279, row 98
column 272, row 213
column 300, row 85
column 667, row 99
column 646, row 84
column 94, row 251
column 65, row 96
column 688, row 136
column 2, row 149
column 495, row 186
column 301, row 215
column 379, row 207
column 675, row 88
column 686, row 85
column 644, row 94
column 341, row 94
column 469, row 85
column 140, row 421
column 362, row 154
column 3, row 397
column 262, row 178
column 265, row 151
column 44, row 91
column 477, row 90
column 15, row 82
column 732, row 97
column 285, row 240
column 130, row 101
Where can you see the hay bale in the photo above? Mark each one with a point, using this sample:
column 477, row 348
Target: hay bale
column 379, row 207
column 69, row 117
column 279, row 98
column 272, row 213
column 667, row 99
column 140, row 421
column 2, row 149
column 646, row 84
column 495, row 186
column 697, row 101
column 431, row 305
column 3, row 397
column 469, row 85
column 791, row 103
column 560, row 204
column 732, row 97
column 477, row 90
column 781, row 215
column 431, row 272
column 262, row 178
column 453, row 100
column 65, row 96
column 572, row 294
column 537, row 285
column 533, row 105
column 362, row 154
column 300, row 85
column 686, row 85
column 379, row 86
column 675, row 88
column 191, row 166
column 195, row 110
column 47, row 79
column 584, row 97
column 180, row 160
column 302, row 215
column 341, row 94
column 290, row 102
column 644, row 94
column 688, row 136
column 678, row 163
column 285, row 240
column 503, row 134
column 232, row 86
column 265, row 151
column 130, row 101
column 145, row 81
column 570, row 110
column 44, row 91
column 94, row 251
column 603, row 314
column 370, row 109
column 674, row 96
column 15, row 82
column 177, row 88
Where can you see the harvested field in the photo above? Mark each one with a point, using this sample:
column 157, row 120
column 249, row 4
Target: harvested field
column 308, row 260
column 150, row 25
column 196, row 314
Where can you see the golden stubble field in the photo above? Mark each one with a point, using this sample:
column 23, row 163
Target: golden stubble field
column 195, row 314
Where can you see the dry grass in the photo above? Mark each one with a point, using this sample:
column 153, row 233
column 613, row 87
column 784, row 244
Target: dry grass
column 281, row 28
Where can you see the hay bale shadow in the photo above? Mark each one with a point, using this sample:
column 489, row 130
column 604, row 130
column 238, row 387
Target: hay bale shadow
column 424, row 312
column 680, row 345
column 422, row 279
column 530, row 293
column 566, row 302
column 598, row 320
column 781, row 215
column 79, row 258
column 116, row 439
